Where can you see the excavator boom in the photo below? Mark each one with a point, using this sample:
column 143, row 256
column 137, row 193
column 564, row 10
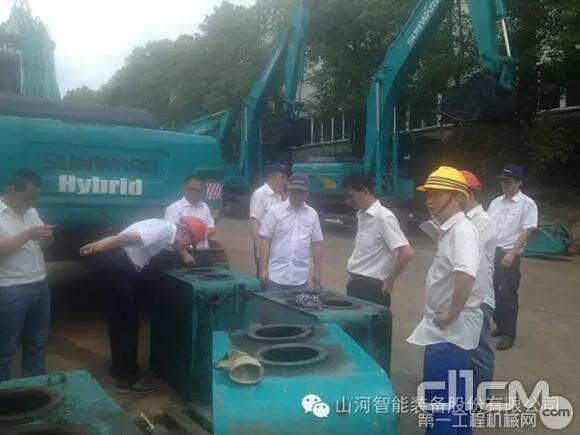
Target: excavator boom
column 485, row 96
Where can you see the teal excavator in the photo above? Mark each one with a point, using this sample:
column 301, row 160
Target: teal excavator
column 102, row 167
column 486, row 97
column 277, row 91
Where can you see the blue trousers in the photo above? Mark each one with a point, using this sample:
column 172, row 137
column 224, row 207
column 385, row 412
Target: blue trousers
column 24, row 319
column 439, row 359
column 483, row 358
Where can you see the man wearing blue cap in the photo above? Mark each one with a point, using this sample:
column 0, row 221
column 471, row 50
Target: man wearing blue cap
column 269, row 194
column 516, row 217
column 291, row 239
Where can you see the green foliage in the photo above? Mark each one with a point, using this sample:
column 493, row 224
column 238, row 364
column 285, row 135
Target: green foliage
column 213, row 69
column 83, row 95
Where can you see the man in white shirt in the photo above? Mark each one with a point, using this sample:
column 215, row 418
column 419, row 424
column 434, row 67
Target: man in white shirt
column 381, row 250
column 119, row 260
column 291, row 237
column 453, row 319
column 269, row 194
column 191, row 204
column 24, row 292
column 482, row 358
column 516, row 217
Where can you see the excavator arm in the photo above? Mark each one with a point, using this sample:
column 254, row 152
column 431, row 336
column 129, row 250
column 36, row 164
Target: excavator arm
column 288, row 56
column 284, row 69
column 493, row 83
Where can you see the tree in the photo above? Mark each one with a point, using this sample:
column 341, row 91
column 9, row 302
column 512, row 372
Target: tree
column 83, row 95
column 213, row 69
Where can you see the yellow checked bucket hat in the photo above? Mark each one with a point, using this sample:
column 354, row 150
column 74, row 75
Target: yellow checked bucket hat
column 446, row 178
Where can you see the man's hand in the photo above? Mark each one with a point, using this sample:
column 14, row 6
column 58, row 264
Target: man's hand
column 264, row 275
column 388, row 287
column 442, row 319
column 210, row 232
column 89, row 249
column 41, row 232
column 188, row 258
column 508, row 260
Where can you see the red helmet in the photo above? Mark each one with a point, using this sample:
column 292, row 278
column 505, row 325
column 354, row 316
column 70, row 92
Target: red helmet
column 472, row 181
column 197, row 228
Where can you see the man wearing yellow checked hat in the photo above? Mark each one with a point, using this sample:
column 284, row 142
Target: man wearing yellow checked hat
column 452, row 322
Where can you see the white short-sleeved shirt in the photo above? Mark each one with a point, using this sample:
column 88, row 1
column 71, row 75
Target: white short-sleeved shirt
column 182, row 208
column 378, row 235
column 511, row 217
column 458, row 250
column 24, row 265
column 155, row 234
column 262, row 199
column 487, row 239
column 290, row 231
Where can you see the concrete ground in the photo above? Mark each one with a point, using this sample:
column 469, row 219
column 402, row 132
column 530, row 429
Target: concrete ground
column 545, row 350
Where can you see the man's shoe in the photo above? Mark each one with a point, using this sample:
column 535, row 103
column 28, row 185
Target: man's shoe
column 139, row 387
column 505, row 343
column 496, row 333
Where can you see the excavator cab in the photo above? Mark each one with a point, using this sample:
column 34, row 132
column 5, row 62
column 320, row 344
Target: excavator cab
column 481, row 98
column 10, row 65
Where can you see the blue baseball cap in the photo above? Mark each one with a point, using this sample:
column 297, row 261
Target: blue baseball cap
column 299, row 182
column 512, row 172
column 276, row 167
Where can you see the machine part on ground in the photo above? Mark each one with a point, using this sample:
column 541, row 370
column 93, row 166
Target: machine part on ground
column 71, row 403
column 370, row 325
column 188, row 307
column 549, row 239
column 302, row 398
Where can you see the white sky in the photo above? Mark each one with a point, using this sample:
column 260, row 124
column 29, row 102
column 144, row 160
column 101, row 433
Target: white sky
column 93, row 37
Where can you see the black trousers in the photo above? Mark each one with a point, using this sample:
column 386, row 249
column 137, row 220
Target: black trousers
column 368, row 289
column 506, row 281
column 118, row 278
column 257, row 262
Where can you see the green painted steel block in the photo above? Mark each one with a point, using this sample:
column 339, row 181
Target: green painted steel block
column 190, row 305
column 370, row 325
column 281, row 403
column 549, row 239
column 84, row 404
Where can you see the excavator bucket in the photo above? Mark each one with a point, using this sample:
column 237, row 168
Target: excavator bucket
column 480, row 98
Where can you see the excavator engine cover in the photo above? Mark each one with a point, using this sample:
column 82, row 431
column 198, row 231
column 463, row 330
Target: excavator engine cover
column 480, row 98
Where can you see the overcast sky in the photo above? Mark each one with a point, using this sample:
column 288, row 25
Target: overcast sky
column 93, row 37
